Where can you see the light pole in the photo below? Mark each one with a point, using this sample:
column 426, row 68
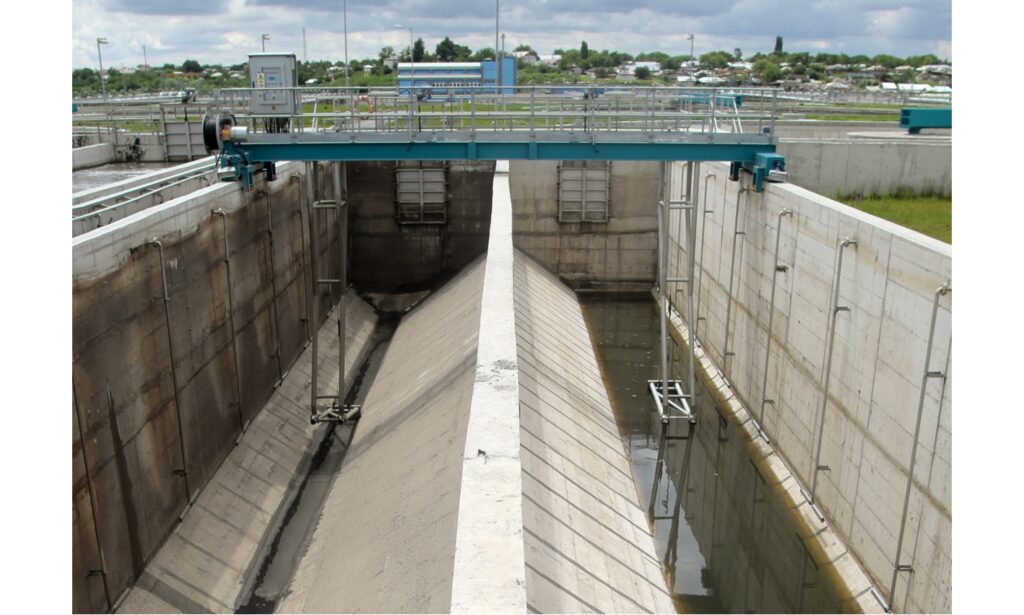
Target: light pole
column 497, row 56
column 691, row 46
column 103, row 83
column 263, row 40
column 344, row 8
column 412, row 58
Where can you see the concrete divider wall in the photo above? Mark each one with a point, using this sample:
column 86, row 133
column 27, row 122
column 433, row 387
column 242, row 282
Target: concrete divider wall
column 128, row 146
column 133, row 416
column 387, row 255
column 91, row 156
column 158, row 182
column 621, row 253
column 888, row 283
column 870, row 167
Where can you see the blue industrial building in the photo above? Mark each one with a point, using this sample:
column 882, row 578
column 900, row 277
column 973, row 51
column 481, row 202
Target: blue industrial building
column 451, row 78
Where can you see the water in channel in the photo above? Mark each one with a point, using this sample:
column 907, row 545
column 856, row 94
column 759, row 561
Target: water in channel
column 727, row 543
column 292, row 537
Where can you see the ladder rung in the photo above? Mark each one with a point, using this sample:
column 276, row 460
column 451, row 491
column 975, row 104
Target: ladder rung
column 328, row 281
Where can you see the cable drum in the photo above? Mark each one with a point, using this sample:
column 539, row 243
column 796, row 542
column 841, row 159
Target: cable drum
column 214, row 130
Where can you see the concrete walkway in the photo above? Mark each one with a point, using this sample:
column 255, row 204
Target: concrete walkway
column 205, row 563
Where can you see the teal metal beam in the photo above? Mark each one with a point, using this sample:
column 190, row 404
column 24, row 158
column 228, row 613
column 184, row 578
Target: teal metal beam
column 916, row 119
column 255, row 152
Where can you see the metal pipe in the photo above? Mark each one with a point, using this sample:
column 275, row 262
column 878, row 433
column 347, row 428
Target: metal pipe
column 92, row 495
column 771, row 313
column 939, row 292
column 662, row 303
column 314, row 296
column 302, row 233
column 691, row 240
column 340, row 219
column 231, row 320
column 700, row 272
column 273, row 286
column 736, row 233
column 174, row 373
column 833, row 313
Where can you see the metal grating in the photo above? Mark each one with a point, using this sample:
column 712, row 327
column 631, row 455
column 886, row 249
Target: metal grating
column 583, row 192
column 421, row 195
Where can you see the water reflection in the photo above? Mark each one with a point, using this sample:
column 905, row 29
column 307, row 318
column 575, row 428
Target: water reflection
column 726, row 541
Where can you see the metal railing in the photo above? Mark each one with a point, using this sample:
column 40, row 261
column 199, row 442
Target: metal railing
column 467, row 109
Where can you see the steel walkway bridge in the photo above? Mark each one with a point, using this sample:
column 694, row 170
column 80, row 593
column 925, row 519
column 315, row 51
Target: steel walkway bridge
column 258, row 127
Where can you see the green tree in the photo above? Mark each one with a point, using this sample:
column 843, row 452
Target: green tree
column 642, row 73
column 485, row 53
column 191, row 66
column 778, row 45
column 715, row 59
column 525, row 47
column 446, row 50
column 767, row 70
column 418, row 50
column 584, row 50
column 737, row 54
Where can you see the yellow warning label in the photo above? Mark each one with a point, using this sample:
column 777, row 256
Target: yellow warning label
column 261, row 80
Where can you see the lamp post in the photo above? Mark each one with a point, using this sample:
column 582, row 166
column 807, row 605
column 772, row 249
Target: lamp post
column 103, row 83
column 263, row 41
column 344, row 9
column 412, row 58
column 691, row 46
column 497, row 56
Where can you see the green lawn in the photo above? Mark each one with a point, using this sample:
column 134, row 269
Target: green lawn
column 879, row 117
column 931, row 215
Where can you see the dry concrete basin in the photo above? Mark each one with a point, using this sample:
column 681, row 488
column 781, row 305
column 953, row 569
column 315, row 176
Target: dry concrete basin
column 508, row 457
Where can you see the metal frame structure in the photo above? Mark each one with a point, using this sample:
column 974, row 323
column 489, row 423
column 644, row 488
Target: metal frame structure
column 531, row 123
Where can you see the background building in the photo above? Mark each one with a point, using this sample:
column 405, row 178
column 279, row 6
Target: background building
column 445, row 78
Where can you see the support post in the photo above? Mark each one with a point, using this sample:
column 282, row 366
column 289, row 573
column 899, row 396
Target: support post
column 313, row 300
column 703, row 227
column 662, row 265
column 776, row 268
column 303, row 196
column 242, row 424
column 273, row 289
column 92, row 496
column 925, row 377
column 736, row 234
column 341, row 210
column 693, row 177
column 174, row 374
column 834, row 310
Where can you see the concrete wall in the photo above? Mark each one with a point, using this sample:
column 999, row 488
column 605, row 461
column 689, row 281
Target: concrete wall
column 869, row 167
column 620, row 254
column 387, row 256
column 137, row 424
column 91, row 156
column 148, row 148
column 135, row 189
column 888, row 282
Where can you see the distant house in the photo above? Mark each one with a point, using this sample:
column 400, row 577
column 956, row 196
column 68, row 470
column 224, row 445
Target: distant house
column 686, row 80
column 629, row 68
column 936, row 69
column 528, row 57
column 216, row 75
column 711, row 80
column 551, row 60
column 742, row 65
column 368, row 68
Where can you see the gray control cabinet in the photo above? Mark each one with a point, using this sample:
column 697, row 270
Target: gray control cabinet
column 268, row 71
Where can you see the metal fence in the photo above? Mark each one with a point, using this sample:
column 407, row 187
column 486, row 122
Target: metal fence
column 588, row 109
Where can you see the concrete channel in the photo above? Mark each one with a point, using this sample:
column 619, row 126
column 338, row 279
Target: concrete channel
column 508, row 456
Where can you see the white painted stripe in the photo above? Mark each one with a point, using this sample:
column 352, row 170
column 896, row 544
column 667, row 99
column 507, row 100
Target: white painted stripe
column 490, row 570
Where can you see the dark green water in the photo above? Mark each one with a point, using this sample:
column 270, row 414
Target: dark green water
column 728, row 545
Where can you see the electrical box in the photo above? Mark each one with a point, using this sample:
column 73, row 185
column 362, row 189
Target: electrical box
column 269, row 71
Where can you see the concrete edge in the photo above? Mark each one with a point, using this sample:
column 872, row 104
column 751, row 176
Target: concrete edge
column 102, row 250
column 490, row 562
column 128, row 183
column 896, row 230
column 826, row 548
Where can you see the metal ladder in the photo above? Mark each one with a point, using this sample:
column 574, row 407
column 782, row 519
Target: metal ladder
column 336, row 410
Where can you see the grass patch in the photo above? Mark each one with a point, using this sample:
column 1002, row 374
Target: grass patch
column 881, row 117
column 931, row 215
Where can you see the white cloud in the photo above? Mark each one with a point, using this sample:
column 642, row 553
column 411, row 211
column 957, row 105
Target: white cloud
column 225, row 31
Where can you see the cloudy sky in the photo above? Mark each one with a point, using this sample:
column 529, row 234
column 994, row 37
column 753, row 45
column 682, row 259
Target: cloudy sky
column 225, row 31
